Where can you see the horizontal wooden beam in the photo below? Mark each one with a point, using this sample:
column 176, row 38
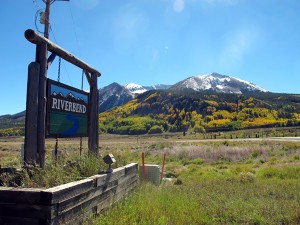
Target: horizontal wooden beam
column 38, row 39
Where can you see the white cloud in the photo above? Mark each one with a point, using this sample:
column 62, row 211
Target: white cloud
column 178, row 5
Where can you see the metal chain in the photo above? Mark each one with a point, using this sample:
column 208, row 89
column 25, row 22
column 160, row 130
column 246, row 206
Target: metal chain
column 58, row 76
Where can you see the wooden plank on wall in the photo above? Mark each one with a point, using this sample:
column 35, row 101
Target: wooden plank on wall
column 99, row 179
column 124, row 181
column 87, row 205
column 27, row 210
column 64, row 203
column 101, row 201
column 20, row 195
column 105, row 178
column 75, row 201
column 116, row 174
column 131, row 168
column 66, row 191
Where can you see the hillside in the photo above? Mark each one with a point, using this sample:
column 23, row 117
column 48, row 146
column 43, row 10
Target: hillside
column 117, row 95
column 12, row 124
column 178, row 111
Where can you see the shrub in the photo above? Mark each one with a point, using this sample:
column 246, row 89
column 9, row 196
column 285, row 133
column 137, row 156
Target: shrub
column 247, row 177
column 137, row 129
column 173, row 128
column 288, row 172
column 178, row 182
column 199, row 129
column 122, row 130
column 156, row 130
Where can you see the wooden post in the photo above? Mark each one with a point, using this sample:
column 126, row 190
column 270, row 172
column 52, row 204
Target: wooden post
column 30, row 147
column 93, row 141
column 143, row 166
column 41, row 58
column 163, row 167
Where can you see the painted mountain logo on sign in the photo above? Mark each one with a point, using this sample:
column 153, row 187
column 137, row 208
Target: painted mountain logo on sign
column 67, row 111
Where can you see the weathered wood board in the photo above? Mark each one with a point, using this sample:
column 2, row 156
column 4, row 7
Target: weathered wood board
column 69, row 203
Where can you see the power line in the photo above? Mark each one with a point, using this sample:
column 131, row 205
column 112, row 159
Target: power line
column 64, row 65
column 74, row 28
column 36, row 18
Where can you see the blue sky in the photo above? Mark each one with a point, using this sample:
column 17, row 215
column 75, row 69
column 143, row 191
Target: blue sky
column 156, row 42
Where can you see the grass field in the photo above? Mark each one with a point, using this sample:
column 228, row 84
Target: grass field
column 219, row 181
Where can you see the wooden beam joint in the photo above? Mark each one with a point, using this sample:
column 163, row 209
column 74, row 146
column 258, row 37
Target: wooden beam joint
column 38, row 39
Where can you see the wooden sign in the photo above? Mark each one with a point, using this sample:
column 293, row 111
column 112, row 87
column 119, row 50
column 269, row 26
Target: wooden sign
column 67, row 111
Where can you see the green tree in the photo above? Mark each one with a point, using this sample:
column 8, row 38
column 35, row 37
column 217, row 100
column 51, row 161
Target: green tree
column 137, row 129
column 199, row 129
column 156, row 130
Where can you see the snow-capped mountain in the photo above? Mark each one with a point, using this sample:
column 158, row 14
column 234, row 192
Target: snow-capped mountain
column 135, row 88
column 157, row 87
column 117, row 95
column 138, row 89
column 219, row 83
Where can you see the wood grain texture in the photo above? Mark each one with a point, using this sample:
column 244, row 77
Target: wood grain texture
column 70, row 203
column 30, row 147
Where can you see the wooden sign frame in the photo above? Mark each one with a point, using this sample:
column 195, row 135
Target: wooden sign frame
column 35, row 122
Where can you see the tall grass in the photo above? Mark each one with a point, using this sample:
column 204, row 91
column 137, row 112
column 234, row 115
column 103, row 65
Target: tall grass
column 215, row 201
column 62, row 171
column 224, row 182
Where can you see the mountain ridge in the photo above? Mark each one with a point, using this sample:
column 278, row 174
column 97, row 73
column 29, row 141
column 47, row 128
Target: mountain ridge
column 207, row 82
column 219, row 83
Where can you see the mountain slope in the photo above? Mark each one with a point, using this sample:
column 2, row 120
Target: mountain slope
column 117, row 95
column 113, row 95
column 219, row 83
column 178, row 110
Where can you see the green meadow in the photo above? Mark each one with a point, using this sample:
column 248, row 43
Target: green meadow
column 205, row 182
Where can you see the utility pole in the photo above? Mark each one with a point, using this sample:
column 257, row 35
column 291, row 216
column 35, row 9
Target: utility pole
column 47, row 19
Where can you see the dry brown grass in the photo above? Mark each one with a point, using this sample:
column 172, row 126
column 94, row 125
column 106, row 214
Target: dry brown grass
column 209, row 150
